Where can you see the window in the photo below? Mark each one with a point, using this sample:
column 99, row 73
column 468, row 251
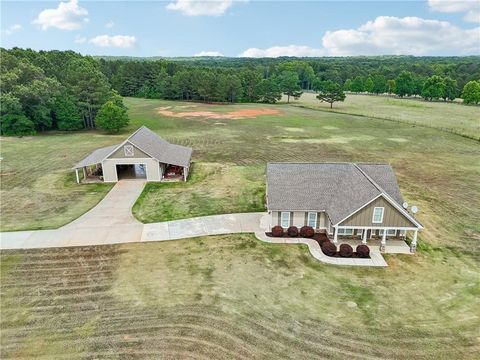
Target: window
column 390, row 232
column 128, row 150
column 377, row 215
column 312, row 220
column 285, row 219
column 345, row 231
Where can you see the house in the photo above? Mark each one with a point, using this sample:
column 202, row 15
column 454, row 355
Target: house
column 344, row 200
column 143, row 155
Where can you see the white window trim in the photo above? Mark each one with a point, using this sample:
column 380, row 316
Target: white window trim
column 288, row 218
column 381, row 218
column 389, row 230
column 315, row 221
column 343, row 231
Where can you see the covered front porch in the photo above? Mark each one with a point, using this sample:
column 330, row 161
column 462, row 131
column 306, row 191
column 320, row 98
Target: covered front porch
column 89, row 174
column 386, row 240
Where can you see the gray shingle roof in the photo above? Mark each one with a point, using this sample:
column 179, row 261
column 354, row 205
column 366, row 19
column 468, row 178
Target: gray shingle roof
column 150, row 143
column 337, row 188
column 96, row 156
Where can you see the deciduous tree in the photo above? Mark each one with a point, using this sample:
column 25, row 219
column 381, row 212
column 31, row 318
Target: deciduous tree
column 111, row 117
column 471, row 92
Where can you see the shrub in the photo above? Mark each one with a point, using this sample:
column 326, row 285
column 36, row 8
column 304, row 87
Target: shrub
column 363, row 251
column 16, row 125
column 307, row 232
column 346, row 250
column 292, row 231
column 329, row 248
column 277, row 231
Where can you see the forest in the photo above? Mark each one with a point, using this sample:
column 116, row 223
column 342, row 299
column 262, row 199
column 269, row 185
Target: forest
column 64, row 90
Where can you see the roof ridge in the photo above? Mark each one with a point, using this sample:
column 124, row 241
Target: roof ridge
column 379, row 188
column 136, row 131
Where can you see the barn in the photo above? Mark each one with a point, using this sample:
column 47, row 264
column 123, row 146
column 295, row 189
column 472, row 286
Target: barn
column 143, row 155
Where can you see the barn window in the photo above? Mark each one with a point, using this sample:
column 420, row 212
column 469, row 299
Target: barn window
column 128, row 150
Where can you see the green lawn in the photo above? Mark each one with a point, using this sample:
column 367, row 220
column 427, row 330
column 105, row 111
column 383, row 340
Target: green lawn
column 232, row 296
column 451, row 117
column 212, row 189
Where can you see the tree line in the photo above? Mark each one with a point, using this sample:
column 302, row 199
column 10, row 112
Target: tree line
column 266, row 82
column 64, row 90
column 61, row 90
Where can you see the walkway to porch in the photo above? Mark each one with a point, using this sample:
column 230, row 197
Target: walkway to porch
column 392, row 246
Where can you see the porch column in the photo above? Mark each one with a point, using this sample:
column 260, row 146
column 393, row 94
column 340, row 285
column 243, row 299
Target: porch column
column 335, row 236
column 413, row 245
column 84, row 172
column 364, row 237
column 78, row 178
column 384, row 241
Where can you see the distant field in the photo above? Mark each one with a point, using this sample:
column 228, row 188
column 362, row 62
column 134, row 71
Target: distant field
column 232, row 296
column 456, row 118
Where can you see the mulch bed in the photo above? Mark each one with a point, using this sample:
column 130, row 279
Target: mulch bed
column 320, row 238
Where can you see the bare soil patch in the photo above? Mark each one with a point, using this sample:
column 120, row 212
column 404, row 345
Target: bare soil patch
column 234, row 115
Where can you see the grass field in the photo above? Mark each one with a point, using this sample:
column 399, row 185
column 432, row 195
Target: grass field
column 212, row 189
column 232, row 296
column 451, row 117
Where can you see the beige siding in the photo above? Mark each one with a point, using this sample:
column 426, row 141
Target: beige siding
column 152, row 168
column 391, row 216
column 137, row 153
column 299, row 219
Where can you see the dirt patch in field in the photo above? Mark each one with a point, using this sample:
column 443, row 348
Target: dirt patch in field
column 234, row 115
column 331, row 140
column 399, row 140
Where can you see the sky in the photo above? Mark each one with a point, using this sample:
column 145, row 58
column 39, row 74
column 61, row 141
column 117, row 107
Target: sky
column 245, row 28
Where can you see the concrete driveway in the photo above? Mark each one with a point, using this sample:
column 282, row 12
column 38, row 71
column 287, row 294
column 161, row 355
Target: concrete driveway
column 109, row 222
column 112, row 222
column 205, row 225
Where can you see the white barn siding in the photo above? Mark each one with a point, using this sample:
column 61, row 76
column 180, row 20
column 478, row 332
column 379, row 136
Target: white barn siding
column 152, row 169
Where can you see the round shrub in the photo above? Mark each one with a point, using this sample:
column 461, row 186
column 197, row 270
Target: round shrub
column 277, row 231
column 346, row 250
column 363, row 251
column 307, row 232
column 329, row 248
column 292, row 231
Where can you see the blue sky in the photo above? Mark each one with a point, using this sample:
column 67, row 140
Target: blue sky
column 244, row 28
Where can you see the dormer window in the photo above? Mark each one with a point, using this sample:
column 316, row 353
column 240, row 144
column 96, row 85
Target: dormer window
column 128, row 150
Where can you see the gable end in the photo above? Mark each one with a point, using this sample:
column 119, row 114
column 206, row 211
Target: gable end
column 391, row 216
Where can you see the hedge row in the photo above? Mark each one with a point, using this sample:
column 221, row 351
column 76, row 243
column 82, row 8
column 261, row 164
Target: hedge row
column 292, row 231
column 329, row 249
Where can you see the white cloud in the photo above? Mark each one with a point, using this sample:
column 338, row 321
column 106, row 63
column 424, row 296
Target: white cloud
column 109, row 24
column 209, row 53
column 277, row 51
column 116, row 41
column 13, row 29
column 406, row 36
column 386, row 35
column 67, row 16
column 80, row 39
column 201, row 7
column 471, row 8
